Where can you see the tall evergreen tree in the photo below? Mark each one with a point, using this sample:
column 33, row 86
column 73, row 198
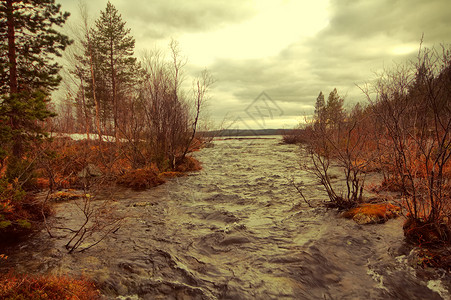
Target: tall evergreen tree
column 320, row 108
column 334, row 108
column 116, row 65
column 28, row 44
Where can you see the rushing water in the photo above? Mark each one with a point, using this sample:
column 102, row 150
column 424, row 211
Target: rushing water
column 238, row 230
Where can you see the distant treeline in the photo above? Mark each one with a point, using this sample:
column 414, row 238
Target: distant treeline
column 245, row 132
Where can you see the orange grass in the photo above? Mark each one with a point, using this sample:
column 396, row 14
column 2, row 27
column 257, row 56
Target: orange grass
column 13, row 286
column 380, row 211
column 70, row 157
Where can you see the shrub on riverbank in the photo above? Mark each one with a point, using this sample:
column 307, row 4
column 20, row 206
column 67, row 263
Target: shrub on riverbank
column 140, row 179
column 189, row 164
column 411, row 105
column 69, row 162
column 338, row 137
column 427, row 233
column 404, row 133
column 294, row 136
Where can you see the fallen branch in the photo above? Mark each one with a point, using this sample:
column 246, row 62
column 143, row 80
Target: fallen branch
column 301, row 193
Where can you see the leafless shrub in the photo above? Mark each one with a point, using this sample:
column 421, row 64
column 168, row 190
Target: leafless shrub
column 93, row 219
column 412, row 103
column 98, row 221
column 344, row 143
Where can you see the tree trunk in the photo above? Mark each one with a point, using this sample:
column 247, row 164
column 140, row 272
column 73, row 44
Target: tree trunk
column 13, row 87
column 85, row 108
column 114, row 94
column 11, row 47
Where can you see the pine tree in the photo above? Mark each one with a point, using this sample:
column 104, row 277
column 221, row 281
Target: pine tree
column 115, row 64
column 28, row 45
column 334, row 109
column 320, row 109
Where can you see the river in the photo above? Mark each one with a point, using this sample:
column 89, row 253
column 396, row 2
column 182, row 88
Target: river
column 237, row 230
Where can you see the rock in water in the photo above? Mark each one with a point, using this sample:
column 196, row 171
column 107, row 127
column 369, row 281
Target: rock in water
column 90, row 170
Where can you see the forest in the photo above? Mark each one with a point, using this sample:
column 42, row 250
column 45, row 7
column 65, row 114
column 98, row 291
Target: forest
column 142, row 124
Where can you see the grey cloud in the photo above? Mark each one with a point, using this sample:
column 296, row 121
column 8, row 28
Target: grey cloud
column 361, row 34
column 403, row 19
column 246, row 79
column 162, row 18
column 356, row 43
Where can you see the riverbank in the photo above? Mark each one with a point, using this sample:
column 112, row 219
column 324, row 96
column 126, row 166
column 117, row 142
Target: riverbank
column 237, row 229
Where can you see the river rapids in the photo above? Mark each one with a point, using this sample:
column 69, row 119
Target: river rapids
column 238, row 229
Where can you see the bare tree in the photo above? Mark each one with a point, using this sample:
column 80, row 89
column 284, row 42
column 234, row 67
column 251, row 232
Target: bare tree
column 344, row 143
column 412, row 103
column 200, row 90
column 171, row 116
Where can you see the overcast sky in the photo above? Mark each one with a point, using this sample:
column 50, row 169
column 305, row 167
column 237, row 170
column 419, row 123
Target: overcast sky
column 289, row 49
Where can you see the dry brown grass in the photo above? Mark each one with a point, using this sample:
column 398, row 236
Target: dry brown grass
column 13, row 286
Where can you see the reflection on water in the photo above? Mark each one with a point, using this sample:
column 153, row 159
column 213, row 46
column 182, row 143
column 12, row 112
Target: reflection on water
column 238, row 230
